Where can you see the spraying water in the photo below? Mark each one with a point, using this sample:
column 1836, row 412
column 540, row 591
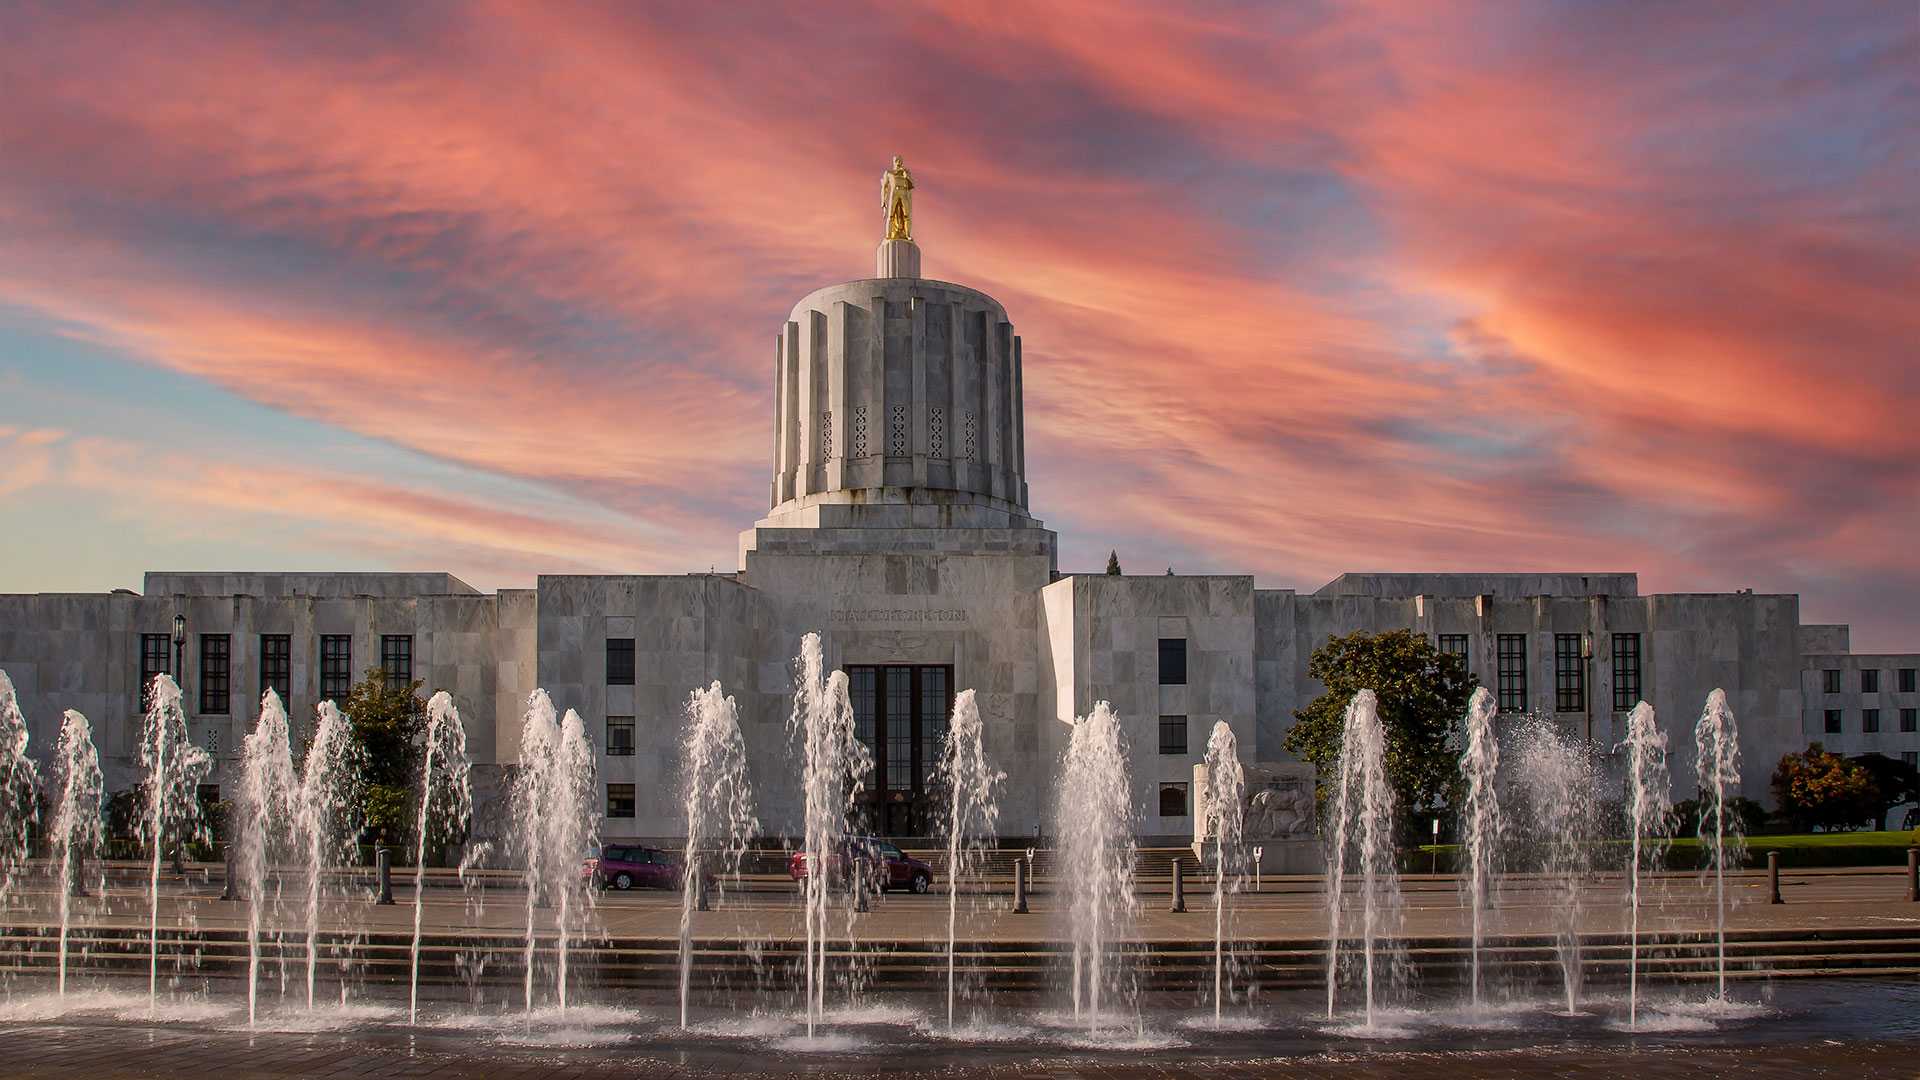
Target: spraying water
column 175, row 767
column 268, row 793
column 1556, row 783
column 1094, row 821
column 1485, row 830
column 1650, row 806
column 835, row 766
column 76, row 831
column 1362, row 843
column 972, row 814
column 1226, row 808
column 19, row 780
column 555, row 821
column 719, row 809
column 446, row 800
column 325, row 819
column 1716, row 741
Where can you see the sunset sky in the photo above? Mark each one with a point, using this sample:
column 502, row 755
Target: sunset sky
column 1305, row 288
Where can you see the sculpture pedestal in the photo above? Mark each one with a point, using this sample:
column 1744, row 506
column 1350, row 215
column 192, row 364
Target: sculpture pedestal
column 897, row 258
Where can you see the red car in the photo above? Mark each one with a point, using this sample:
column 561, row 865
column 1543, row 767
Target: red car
column 630, row 866
column 891, row 867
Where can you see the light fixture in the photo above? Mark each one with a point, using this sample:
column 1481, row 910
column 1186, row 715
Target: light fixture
column 179, row 630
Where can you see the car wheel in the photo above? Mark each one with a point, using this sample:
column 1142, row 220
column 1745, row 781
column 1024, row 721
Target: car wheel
column 921, row 883
column 623, row 881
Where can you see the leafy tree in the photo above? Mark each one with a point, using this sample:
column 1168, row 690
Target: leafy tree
column 1895, row 782
column 1687, row 815
column 1422, row 696
column 387, row 720
column 1113, row 563
column 1818, row 788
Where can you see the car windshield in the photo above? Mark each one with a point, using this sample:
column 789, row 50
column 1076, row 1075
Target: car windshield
column 891, row 852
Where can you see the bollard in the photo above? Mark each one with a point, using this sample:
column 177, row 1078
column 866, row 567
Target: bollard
column 1019, row 887
column 79, row 876
column 383, row 859
column 1773, row 878
column 700, row 891
column 1913, row 874
column 233, row 877
column 860, row 885
column 1179, row 904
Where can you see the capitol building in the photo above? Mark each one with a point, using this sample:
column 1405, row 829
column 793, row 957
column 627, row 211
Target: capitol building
column 899, row 526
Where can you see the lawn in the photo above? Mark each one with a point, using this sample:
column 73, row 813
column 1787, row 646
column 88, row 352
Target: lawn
column 1796, row 850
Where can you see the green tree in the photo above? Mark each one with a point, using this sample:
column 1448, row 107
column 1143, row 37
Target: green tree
column 1113, row 563
column 1422, row 696
column 1818, row 788
column 388, row 720
column 1895, row 783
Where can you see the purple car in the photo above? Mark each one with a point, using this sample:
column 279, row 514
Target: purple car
column 629, row 866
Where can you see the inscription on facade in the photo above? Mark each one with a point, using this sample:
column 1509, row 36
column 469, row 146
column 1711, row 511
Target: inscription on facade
column 891, row 615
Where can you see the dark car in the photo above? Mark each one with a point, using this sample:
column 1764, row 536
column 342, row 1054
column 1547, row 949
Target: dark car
column 630, row 866
column 891, row 868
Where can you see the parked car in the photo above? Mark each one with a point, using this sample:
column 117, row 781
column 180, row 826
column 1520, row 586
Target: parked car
column 631, row 866
column 891, row 868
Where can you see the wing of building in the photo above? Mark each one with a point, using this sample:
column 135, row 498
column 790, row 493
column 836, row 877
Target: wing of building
column 899, row 528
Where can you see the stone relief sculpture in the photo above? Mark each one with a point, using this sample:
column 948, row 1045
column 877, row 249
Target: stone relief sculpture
column 896, row 199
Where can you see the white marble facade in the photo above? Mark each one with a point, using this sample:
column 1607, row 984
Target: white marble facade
column 898, row 527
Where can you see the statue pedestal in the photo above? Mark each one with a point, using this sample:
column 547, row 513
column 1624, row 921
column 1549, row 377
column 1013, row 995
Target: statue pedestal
column 897, row 258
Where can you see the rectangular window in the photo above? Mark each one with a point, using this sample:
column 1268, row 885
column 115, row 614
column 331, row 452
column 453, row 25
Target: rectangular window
column 1173, row 735
column 1626, row 671
column 619, row 661
column 933, row 718
column 1906, row 683
column 1511, row 653
column 155, row 659
column 276, row 667
column 900, row 713
column 619, row 800
column 619, row 736
column 1454, row 645
column 1173, row 800
column 1869, row 680
column 1910, row 720
column 1173, row 661
column 1869, row 720
column 396, row 659
column 1569, row 674
column 336, row 667
column 216, row 673
column 899, row 693
column 1833, row 721
column 1830, row 680
column 863, row 686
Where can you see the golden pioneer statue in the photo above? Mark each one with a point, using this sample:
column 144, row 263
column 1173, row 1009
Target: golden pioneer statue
column 896, row 198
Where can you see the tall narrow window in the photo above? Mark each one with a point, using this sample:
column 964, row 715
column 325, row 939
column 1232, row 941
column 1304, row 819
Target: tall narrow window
column 1511, row 654
column 1909, row 720
column 336, row 667
column 1173, row 735
column 1870, row 720
column 1869, row 680
column 863, row 686
column 619, row 736
column 1832, row 721
column 1173, row 799
column 619, row 800
column 1173, row 661
column 1906, row 683
column 933, row 719
column 1830, row 680
column 619, row 661
column 1569, row 674
column 276, row 667
column 1454, row 645
column 155, row 659
column 1626, row 671
column 396, row 658
column 899, row 733
column 216, row 674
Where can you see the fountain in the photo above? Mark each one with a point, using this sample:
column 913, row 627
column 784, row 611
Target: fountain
column 1484, row 830
column 719, row 809
column 326, row 812
column 1226, row 809
column 1362, row 842
column 75, row 832
column 446, row 799
column 1094, row 869
column 175, row 767
column 834, row 768
column 1649, row 806
column 1555, row 784
column 18, row 810
column 1716, row 740
column 972, row 814
column 555, row 822
column 268, row 807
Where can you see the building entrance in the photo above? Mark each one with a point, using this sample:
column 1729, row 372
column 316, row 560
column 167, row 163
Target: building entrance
column 900, row 712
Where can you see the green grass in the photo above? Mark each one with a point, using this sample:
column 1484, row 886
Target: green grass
column 1796, row 850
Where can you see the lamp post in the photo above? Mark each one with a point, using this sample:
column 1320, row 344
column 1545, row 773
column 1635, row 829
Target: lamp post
column 180, row 679
column 1586, row 684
